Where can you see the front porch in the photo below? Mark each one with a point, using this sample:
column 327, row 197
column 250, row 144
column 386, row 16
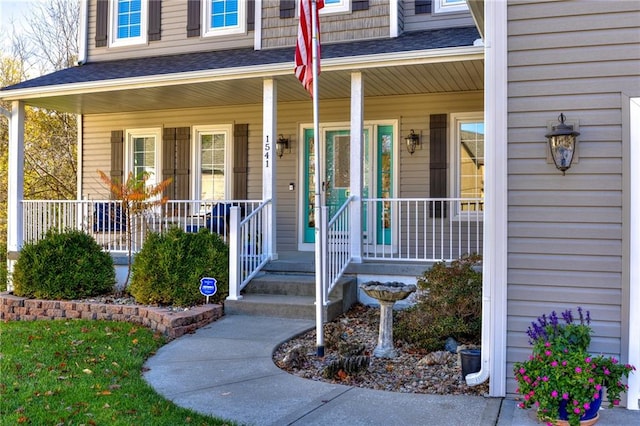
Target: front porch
column 391, row 237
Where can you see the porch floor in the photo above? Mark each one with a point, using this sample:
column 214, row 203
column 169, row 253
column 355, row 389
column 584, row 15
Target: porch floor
column 304, row 261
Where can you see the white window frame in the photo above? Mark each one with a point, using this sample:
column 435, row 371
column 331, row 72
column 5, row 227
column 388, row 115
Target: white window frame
column 454, row 159
column 114, row 40
column 196, row 160
column 449, row 6
column 340, row 6
column 154, row 132
column 208, row 31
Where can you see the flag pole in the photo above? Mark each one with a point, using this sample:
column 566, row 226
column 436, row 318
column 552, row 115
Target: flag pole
column 319, row 231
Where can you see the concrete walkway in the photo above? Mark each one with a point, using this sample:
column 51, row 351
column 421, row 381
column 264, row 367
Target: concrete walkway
column 225, row 370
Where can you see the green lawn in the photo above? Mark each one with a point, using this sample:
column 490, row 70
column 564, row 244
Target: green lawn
column 79, row 372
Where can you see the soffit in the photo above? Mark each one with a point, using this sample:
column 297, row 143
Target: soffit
column 451, row 76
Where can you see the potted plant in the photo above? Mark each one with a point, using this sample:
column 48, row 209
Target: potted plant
column 561, row 379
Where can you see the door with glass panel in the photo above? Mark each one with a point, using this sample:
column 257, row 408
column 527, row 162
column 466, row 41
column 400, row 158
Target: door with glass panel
column 336, row 180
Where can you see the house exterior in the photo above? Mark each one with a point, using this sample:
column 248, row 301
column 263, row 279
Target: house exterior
column 208, row 97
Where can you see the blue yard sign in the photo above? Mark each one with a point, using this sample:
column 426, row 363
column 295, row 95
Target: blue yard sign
column 208, row 287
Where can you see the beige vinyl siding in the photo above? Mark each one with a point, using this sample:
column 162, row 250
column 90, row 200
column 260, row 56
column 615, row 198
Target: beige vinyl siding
column 565, row 233
column 413, row 173
column 357, row 25
column 173, row 40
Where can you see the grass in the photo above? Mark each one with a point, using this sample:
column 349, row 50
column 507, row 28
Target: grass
column 80, row 372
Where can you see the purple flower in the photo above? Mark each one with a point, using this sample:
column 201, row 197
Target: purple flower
column 598, row 387
column 548, row 353
column 586, row 405
column 579, row 370
column 554, row 363
column 576, row 410
column 554, row 393
column 596, row 395
column 588, row 360
column 545, row 379
column 565, row 396
column 522, row 370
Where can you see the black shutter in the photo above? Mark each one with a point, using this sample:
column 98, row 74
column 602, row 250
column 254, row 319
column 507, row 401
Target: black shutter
column 251, row 15
column 102, row 22
column 423, row 6
column 438, row 163
column 193, row 18
column 155, row 7
column 359, row 5
column 117, row 156
column 287, row 9
column 240, row 160
column 176, row 148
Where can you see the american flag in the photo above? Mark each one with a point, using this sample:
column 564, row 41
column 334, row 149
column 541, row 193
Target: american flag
column 304, row 55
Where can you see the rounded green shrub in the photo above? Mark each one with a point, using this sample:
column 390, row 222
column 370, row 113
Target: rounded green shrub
column 168, row 269
column 64, row 265
column 449, row 306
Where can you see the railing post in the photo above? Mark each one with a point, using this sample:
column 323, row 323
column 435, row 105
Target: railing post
column 324, row 253
column 234, row 254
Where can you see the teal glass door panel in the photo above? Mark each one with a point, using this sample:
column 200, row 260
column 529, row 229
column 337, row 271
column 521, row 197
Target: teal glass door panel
column 309, row 187
column 338, row 179
column 384, row 187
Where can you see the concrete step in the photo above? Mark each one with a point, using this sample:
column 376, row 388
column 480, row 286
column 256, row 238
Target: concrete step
column 291, row 296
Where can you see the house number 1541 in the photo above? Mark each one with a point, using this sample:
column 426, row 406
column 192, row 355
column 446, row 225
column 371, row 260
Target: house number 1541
column 267, row 148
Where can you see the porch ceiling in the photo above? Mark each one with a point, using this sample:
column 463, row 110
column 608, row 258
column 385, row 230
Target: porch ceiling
column 453, row 75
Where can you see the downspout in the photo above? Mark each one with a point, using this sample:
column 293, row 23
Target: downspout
column 493, row 353
column 257, row 26
column 83, row 33
column 394, row 29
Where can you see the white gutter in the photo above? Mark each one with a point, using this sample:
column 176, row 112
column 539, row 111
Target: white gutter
column 494, row 276
column 262, row 71
column 83, row 33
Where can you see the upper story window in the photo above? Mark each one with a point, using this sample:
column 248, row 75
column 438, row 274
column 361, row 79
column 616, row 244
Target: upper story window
column 128, row 22
column 222, row 17
column 445, row 6
column 335, row 6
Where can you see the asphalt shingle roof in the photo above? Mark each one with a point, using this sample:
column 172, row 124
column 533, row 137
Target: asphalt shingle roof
column 245, row 57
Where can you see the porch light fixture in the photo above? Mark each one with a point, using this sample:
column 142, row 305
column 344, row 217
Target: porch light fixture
column 281, row 145
column 562, row 144
column 412, row 141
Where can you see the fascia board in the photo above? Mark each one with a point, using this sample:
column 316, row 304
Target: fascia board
column 261, row 71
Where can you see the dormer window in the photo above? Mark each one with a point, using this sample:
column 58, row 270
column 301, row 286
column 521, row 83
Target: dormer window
column 335, row 6
column 446, row 6
column 223, row 17
column 128, row 22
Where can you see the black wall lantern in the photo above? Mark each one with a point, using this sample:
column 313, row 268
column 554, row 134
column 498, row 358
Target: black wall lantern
column 562, row 144
column 281, row 145
column 412, row 141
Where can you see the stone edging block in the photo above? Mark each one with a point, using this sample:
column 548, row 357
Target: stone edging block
column 170, row 323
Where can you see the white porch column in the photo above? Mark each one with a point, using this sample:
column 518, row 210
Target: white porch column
column 355, row 176
column 269, row 122
column 16, row 177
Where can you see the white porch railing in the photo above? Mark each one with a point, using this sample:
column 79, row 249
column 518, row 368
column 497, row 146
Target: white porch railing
column 338, row 246
column 421, row 229
column 105, row 220
column 249, row 246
